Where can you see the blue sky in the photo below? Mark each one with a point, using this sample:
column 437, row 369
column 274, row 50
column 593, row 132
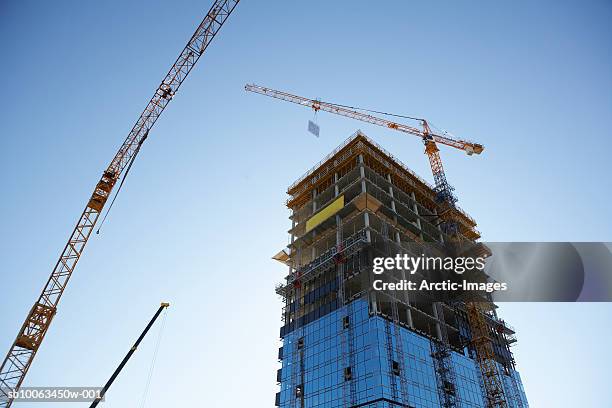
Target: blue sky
column 202, row 210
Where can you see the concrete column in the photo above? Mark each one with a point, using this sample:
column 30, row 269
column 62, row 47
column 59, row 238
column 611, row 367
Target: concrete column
column 336, row 188
column 313, row 252
column 362, row 173
column 440, row 235
column 415, row 208
column 408, row 310
column 363, row 190
column 292, row 240
column 391, row 194
column 374, row 302
column 366, row 219
column 392, row 198
column 397, row 234
column 409, row 313
column 438, row 329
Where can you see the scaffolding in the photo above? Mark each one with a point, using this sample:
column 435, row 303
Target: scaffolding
column 481, row 340
column 443, row 365
column 349, row 392
column 395, row 344
column 297, row 350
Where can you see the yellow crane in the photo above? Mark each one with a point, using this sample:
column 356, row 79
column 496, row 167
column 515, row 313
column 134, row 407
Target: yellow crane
column 31, row 334
column 429, row 138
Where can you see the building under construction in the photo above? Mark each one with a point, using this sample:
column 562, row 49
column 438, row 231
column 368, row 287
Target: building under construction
column 347, row 345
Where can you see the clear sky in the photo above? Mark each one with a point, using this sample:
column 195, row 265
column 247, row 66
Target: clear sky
column 202, row 210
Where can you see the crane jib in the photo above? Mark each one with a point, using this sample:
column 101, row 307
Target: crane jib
column 444, row 190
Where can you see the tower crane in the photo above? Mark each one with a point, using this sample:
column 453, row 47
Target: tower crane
column 31, row 334
column 444, row 194
column 431, row 140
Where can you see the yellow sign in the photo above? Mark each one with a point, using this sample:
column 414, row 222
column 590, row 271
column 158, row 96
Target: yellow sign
column 325, row 213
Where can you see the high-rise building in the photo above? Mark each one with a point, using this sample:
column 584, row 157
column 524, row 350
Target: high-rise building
column 347, row 345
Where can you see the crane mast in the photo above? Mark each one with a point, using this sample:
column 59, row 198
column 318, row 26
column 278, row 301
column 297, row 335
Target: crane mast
column 31, row 334
column 430, row 139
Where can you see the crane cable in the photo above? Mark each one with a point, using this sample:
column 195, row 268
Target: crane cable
column 372, row 111
column 145, row 393
column 444, row 132
column 127, row 171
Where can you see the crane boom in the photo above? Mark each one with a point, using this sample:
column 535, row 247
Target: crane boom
column 429, row 138
column 127, row 357
column 32, row 332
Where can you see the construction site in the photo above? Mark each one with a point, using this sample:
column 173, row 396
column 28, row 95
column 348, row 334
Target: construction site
column 346, row 345
column 210, row 212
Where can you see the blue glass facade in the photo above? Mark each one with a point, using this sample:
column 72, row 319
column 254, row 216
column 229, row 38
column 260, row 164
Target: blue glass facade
column 324, row 384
